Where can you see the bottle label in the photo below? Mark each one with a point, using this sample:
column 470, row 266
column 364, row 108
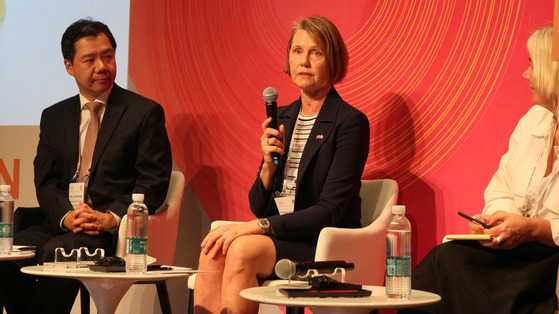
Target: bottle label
column 398, row 266
column 137, row 246
column 6, row 230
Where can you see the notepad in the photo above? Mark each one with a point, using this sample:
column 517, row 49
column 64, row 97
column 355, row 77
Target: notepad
column 468, row 237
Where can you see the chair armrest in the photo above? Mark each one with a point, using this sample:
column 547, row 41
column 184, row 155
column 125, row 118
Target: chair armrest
column 334, row 242
column 121, row 239
column 27, row 216
column 346, row 244
column 219, row 223
column 364, row 247
column 366, row 250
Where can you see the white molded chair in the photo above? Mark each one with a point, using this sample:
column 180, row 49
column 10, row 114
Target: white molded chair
column 365, row 247
column 162, row 228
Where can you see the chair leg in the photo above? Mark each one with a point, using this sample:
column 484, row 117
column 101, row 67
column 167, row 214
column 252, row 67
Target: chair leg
column 163, row 295
column 190, row 301
column 84, row 299
column 294, row 310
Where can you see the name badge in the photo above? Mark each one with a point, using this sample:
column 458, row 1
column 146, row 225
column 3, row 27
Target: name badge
column 76, row 193
column 285, row 203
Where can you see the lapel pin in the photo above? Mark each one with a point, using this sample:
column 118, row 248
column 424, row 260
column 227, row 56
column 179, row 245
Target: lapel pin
column 320, row 137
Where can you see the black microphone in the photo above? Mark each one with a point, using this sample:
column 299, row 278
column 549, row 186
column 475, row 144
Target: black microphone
column 270, row 96
column 286, row 269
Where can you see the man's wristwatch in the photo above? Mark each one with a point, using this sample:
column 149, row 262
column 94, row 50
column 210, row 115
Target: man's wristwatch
column 264, row 224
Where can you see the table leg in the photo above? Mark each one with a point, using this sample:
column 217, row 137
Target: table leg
column 294, row 310
column 106, row 293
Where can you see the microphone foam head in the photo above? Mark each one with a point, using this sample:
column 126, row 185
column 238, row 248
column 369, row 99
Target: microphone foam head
column 285, row 268
column 270, row 94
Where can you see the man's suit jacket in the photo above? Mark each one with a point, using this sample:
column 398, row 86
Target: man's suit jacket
column 132, row 155
column 329, row 178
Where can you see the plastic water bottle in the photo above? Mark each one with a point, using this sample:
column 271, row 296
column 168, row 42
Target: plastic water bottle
column 398, row 255
column 137, row 236
column 6, row 220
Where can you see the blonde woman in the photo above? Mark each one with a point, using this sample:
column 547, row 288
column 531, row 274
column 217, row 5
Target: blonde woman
column 515, row 271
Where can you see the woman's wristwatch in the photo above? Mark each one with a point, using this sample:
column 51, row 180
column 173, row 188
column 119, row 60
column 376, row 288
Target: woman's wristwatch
column 264, row 224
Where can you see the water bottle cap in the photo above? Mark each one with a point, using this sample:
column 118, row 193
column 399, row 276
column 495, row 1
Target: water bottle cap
column 399, row 209
column 5, row 188
column 138, row 197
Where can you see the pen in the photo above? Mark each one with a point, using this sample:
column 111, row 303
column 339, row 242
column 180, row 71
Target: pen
column 472, row 219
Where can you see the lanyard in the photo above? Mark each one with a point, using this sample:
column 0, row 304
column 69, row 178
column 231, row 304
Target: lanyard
column 76, row 177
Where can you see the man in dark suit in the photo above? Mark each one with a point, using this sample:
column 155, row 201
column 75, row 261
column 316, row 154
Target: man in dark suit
column 131, row 154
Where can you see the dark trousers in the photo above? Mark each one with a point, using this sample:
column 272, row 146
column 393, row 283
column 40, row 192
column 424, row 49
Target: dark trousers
column 21, row 293
column 473, row 279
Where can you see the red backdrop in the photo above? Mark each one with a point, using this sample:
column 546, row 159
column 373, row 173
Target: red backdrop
column 439, row 80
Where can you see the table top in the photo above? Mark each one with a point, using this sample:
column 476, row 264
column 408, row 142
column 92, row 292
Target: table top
column 83, row 273
column 17, row 254
column 377, row 300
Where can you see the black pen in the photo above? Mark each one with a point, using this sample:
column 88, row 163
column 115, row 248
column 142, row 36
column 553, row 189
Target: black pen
column 472, row 219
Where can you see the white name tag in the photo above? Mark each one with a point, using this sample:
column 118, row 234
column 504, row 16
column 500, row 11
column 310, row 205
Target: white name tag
column 285, row 204
column 76, row 193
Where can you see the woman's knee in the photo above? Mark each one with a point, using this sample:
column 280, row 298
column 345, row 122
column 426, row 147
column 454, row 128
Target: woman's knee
column 207, row 262
column 250, row 253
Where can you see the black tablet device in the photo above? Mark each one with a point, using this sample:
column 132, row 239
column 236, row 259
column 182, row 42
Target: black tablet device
column 324, row 293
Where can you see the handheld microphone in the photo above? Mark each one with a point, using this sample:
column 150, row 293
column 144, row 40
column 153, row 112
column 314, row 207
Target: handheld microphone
column 270, row 96
column 286, row 269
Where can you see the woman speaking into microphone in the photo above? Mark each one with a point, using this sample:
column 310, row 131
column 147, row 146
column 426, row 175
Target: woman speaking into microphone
column 323, row 143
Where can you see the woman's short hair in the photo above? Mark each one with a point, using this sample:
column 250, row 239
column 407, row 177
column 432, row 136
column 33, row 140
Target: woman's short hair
column 546, row 71
column 327, row 36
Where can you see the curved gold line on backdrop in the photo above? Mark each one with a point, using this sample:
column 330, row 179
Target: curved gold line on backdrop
column 452, row 56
